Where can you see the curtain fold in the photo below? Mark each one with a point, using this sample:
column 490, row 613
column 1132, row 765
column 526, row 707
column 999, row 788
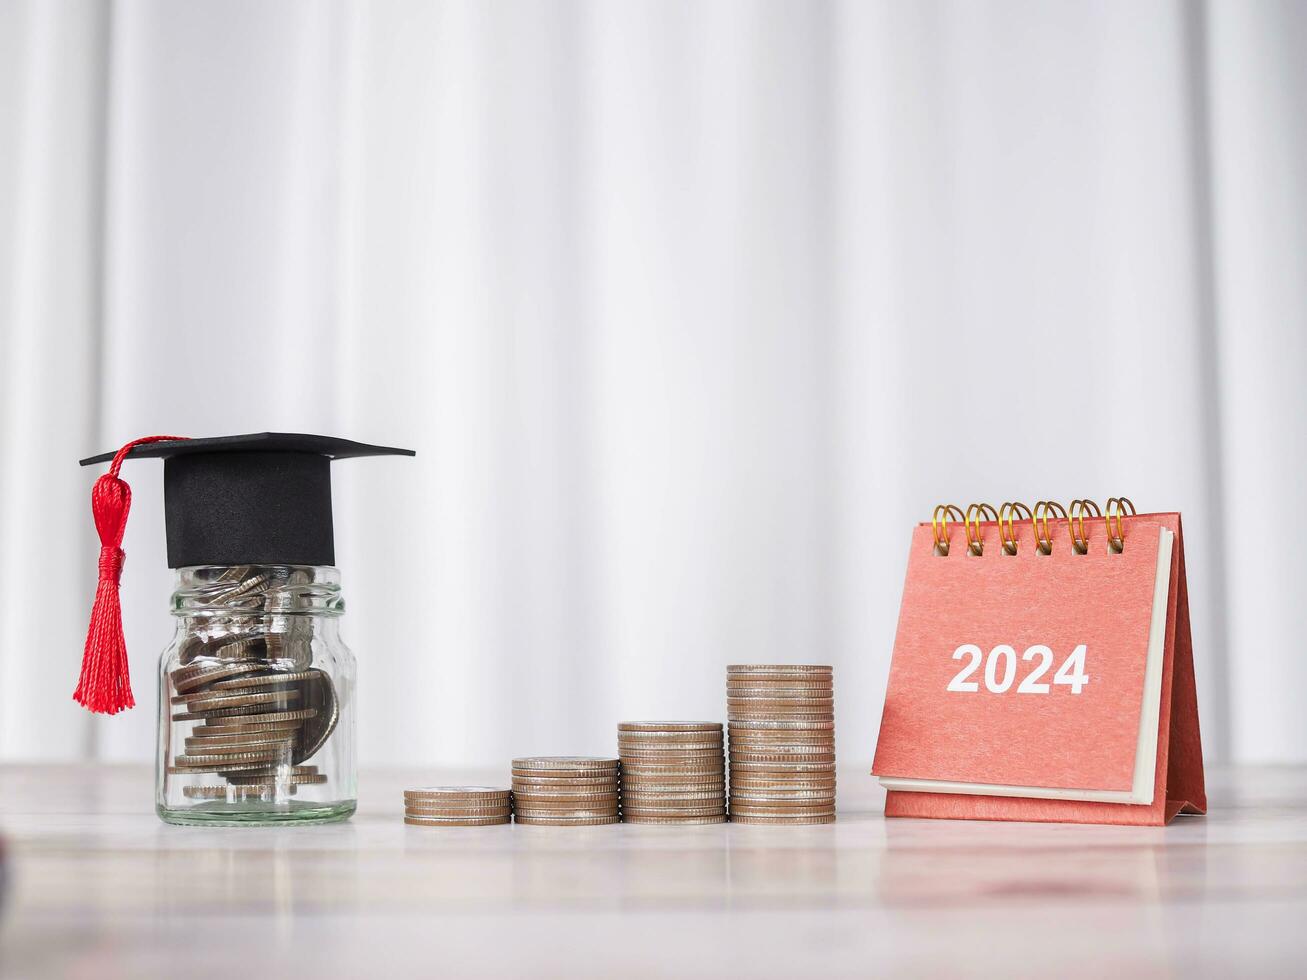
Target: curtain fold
column 690, row 310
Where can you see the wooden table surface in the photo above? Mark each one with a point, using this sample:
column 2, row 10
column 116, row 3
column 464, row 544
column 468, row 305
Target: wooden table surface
column 97, row 886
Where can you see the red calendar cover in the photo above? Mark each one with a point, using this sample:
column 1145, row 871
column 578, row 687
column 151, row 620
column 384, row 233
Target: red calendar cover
column 1043, row 670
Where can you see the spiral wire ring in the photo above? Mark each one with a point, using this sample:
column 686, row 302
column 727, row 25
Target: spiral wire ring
column 1117, row 508
column 1079, row 536
column 976, row 542
column 939, row 526
column 1006, row 531
column 1044, row 540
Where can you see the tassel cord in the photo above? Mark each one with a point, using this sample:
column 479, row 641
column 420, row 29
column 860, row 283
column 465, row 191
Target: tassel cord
column 105, row 683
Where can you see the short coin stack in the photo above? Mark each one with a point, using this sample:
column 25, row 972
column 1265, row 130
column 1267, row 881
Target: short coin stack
column 457, row 806
column 566, row 790
column 782, row 743
column 672, row 772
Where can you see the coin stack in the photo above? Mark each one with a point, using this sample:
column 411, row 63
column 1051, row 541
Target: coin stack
column 672, row 772
column 457, row 806
column 261, row 710
column 782, row 743
column 566, row 790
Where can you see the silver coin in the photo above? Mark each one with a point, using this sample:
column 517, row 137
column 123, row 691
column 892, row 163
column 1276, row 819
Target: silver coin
column 786, row 797
column 495, row 821
column 317, row 692
column 558, row 794
column 237, row 794
column 281, row 729
column 207, row 701
column 251, row 716
column 782, row 767
column 683, row 821
column 262, row 756
column 204, row 697
column 640, row 799
column 685, row 811
column 179, row 769
column 238, row 582
column 578, row 781
column 242, row 648
column 457, row 811
column 214, row 746
column 270, row 779
column 577, row 762
column 703, row 780
column 567, row 821
column 190, row 678
column 670, row 726
column 577, row 814
column 782, row 810
column 260, row 681
column 291, row 645
column 457, row 792
column 525, row 804
column 779, row 782
column 781, row 821
column 776, row 724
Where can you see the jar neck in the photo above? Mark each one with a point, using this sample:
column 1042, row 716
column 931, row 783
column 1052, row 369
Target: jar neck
column 218, row 592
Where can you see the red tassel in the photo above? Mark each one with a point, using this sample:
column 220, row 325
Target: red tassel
column 105, row 685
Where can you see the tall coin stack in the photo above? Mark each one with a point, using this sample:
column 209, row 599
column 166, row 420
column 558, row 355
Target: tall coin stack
column 257, row 726
column 566, row 790
column 672, row 772
column 457, row 806
column 782, row 743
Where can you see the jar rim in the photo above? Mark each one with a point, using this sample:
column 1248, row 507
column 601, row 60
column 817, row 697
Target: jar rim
column 257, row 590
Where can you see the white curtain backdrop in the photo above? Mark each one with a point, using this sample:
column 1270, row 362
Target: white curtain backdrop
column 690, row 311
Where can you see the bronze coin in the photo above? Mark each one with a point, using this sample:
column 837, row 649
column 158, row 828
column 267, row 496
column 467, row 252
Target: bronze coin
column 778, row 821
column 638, row 818
column 769, row 810
column 569, row 762
column 537, row 813
column 423, row 821
column 526, row 804
column 781, row 767
column 186, row 679
column 566, row 821
column 457, row 811
column 684, row 811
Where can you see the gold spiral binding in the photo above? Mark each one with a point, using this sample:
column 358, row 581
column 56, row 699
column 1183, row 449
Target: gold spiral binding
column 1079, row 537
column 1117, row 508
column 939, row 526
column 1044, row 540
column 976, row 544
column 1006, row 531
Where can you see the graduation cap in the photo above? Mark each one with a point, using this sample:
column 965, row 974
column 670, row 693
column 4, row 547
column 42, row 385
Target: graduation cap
column 257, row 499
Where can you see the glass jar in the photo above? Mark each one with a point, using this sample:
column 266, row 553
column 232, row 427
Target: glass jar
column 256, row 695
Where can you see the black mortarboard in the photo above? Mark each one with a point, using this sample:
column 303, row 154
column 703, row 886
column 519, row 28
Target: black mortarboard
column 258, row 499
